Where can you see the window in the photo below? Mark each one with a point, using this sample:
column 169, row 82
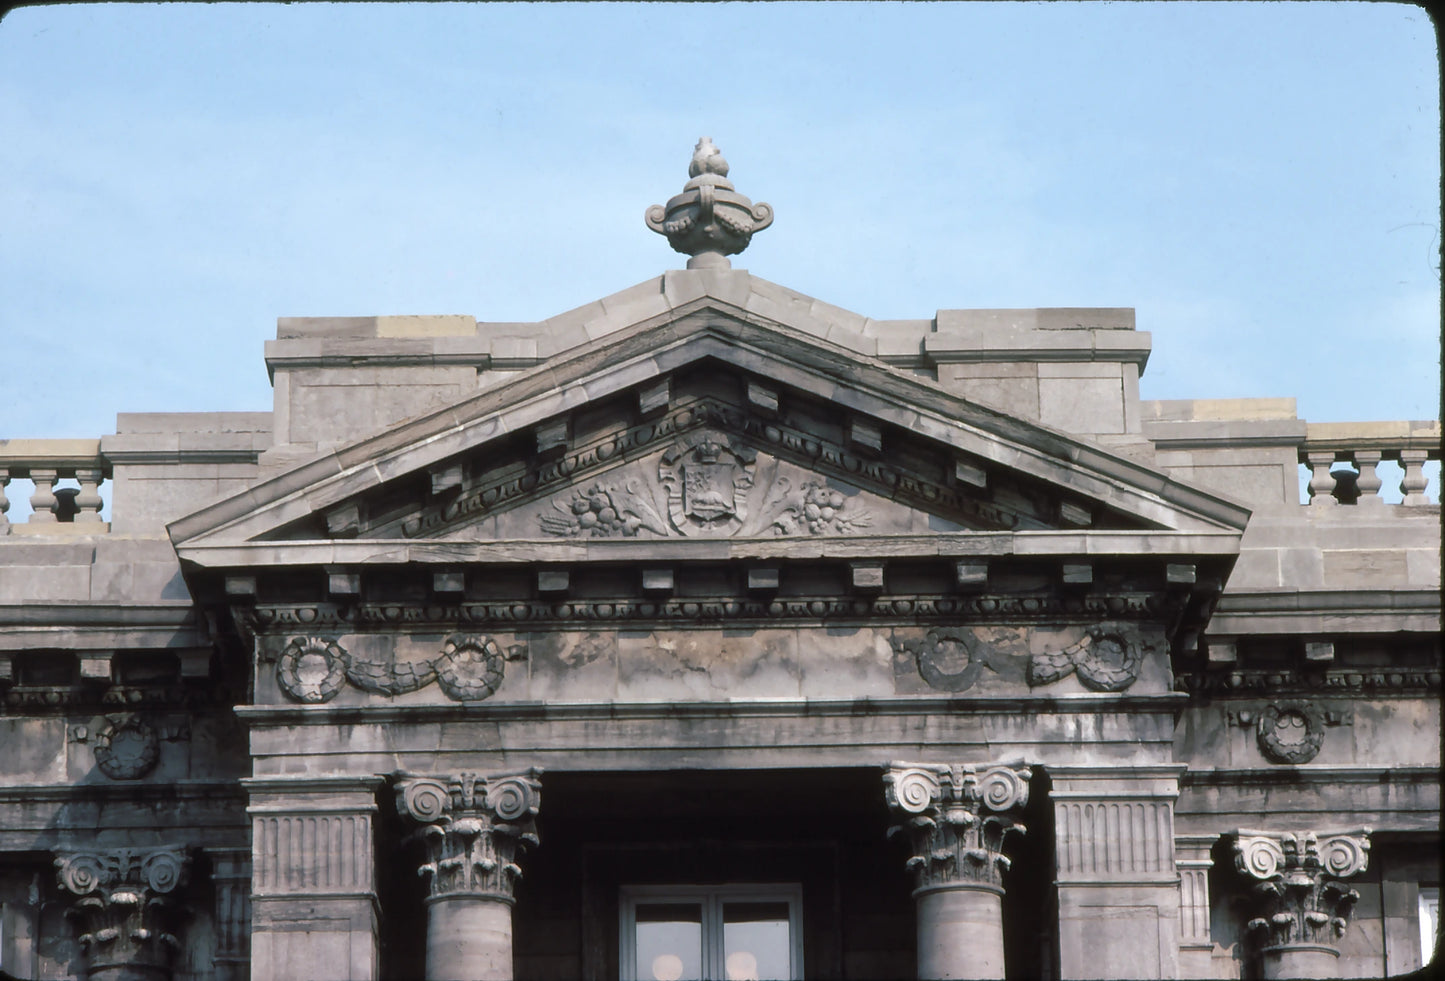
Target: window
column 711, row 933
column 1429, row 921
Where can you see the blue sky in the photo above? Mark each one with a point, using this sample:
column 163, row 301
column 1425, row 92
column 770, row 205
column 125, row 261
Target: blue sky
column 1261, row 181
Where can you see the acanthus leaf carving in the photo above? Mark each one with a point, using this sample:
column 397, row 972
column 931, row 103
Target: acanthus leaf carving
column 475, row 829
column 1299, row 895
column 956, row 818
column 125, row 912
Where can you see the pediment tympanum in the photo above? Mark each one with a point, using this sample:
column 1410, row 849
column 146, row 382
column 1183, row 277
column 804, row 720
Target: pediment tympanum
column 707, row 426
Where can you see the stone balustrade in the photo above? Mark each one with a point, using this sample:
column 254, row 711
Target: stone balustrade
column 1343, row 460
column 44, row 463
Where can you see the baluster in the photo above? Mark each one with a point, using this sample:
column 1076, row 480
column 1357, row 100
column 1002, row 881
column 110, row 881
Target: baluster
column 4, row 501
column 1413, row 483
column 1322, row 485
column 88, row 500
column 1369, row 481
column 43, row 500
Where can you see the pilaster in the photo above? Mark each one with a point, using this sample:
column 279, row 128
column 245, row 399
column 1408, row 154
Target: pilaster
column 475, row 829
column 1300, row 903
column 128, row 920
column 1196, row 944
column 956, row 818
column 231, row 874
column 313, row 895
column 1117, row 880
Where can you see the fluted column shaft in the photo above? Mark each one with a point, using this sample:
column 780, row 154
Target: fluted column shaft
column 956, row 818
column 127, row 920
column 475, row 830
column 1300, row 902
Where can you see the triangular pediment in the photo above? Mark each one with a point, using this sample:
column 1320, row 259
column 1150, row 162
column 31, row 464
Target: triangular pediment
column 707, row 421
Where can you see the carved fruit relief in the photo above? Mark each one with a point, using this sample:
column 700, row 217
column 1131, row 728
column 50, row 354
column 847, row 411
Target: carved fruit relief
column 707, row 485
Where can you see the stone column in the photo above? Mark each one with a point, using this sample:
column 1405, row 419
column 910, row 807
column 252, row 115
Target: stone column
column 956, row 818
column 1118, row 885
column 475, row 829
column 313, row 881
column 1300, row 902
column 127, row 919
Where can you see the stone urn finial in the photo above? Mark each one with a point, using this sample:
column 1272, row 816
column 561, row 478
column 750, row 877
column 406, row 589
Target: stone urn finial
column 709, row 221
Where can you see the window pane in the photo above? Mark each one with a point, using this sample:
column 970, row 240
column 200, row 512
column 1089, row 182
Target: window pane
column 756, row 941
column 669, row 941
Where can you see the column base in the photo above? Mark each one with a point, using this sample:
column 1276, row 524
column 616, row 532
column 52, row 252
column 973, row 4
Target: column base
column 960, row 932
column 1300, row 961
column 468, row 938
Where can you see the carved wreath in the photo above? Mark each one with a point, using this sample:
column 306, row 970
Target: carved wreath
column 311, row 669
column 126, row 748
column 947, row 660
column 1107, row 659
column 1290, row 732
column 467, row 668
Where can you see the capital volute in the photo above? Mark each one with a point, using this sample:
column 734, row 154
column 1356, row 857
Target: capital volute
column 123, row 907
column 956, row 818
column 475, row 828
column 1298, row 890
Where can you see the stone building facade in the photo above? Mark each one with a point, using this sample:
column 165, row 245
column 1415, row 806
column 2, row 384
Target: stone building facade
column 712, row 630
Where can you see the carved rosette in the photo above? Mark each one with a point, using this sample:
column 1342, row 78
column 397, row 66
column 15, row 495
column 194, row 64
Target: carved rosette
column 1299, row 893
column 475, row 829
column 956, row 818
column 125, row 912
column 709, row 220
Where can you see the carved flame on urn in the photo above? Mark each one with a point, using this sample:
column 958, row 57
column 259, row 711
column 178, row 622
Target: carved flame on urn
column 475, row 829
column 709, row 220
column 956, row 818
column 127, row 920
column 1299, row 895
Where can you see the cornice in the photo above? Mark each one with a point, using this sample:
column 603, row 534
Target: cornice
column 1084, row 703
column 1040, row 544
column 1310, row 773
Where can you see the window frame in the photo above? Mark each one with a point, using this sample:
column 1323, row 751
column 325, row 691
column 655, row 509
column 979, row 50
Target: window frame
column 711, row 898
column 1429, row 920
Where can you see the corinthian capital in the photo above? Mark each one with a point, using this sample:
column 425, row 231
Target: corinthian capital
column 475, row 829
column 124, row 911
column 956, row 818
column 1298, row 891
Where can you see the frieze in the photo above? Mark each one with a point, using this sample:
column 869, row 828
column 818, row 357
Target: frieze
column 466, row 668
column 676, row 427
column 988, row 608
column 1341, row 681
column 67, row 698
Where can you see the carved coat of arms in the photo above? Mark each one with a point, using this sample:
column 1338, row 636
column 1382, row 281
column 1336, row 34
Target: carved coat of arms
column 707, row 478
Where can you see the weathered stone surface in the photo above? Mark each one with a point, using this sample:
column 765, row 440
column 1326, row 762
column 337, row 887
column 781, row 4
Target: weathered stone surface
column 721, row 547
